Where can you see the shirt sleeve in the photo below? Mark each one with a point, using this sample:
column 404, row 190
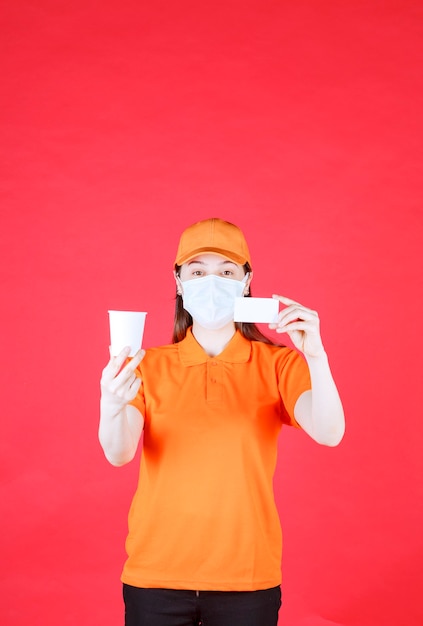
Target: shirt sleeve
column 293, row 380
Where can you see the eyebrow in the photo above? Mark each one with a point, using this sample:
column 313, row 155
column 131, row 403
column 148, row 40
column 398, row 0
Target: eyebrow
column 224, row 262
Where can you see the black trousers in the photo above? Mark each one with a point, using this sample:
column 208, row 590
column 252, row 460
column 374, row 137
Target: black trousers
column 174, row 607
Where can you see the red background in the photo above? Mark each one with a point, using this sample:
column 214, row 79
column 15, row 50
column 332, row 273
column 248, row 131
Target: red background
column 124, row 122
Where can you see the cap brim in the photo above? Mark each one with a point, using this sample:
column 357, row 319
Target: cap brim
column 227, row 254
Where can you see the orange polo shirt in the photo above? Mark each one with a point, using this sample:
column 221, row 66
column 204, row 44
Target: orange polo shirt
column 204, row 516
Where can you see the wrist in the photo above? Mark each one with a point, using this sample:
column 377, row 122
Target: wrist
column 320, row 356
column 111, row 410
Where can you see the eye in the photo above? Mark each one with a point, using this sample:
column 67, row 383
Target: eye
column 197, row 273
column 227, row 273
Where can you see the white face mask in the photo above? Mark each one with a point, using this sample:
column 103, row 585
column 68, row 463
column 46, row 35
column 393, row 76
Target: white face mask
column 210, row 300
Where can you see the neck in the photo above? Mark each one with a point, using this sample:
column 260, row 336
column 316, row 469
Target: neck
column 213, row 342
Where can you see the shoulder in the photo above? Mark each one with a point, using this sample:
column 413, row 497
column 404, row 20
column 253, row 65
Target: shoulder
column 158, row 352
column 279, row 356
column 273, row 351
column 157, row 355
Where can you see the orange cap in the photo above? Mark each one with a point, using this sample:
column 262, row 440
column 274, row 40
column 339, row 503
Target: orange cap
column 213, row 235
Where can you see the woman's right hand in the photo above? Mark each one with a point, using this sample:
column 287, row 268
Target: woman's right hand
column 119, row 384
column 120, row 425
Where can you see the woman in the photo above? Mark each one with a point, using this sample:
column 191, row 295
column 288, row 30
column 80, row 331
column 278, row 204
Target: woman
column 204, row 543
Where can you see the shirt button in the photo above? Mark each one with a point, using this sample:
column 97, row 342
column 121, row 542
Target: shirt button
column 214, row 363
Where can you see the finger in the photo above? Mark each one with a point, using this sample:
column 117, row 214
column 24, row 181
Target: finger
column 113, row 366
column 130, row 386
column 291, row 304
column 133, row 390
column 135, row 385
column 117, row 360
column 133, row 363
column 127, row 383
column 296, row 313
column 124, row 361
column 299, row 325
column 117, row 371
column 121, row 385
column 127, row 373
column 284, row 299
column 122, row 354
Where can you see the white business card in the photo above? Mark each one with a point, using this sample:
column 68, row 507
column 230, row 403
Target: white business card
column 256, row 310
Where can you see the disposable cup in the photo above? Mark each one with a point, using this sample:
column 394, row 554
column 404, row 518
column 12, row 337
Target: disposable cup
column 126, row 329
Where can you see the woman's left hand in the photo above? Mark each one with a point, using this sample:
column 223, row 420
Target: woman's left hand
column 301, row 324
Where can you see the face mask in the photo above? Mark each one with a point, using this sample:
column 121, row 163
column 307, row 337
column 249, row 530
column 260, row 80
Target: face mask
column 210, row 300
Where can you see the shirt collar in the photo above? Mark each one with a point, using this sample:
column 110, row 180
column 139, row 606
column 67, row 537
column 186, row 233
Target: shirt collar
column 238, row 350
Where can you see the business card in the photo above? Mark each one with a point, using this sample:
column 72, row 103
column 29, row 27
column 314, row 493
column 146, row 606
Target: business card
column 256, row 310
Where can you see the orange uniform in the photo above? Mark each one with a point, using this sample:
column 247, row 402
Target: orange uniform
column 203, row 516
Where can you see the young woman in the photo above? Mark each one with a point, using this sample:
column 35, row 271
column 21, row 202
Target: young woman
column 204, row 543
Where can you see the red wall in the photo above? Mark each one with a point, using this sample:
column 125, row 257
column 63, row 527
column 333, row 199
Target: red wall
column 122, row 123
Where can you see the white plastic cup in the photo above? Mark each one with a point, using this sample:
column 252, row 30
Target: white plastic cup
column 126, row 329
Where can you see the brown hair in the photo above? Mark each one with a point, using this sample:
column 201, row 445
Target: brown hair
column 183, row 320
